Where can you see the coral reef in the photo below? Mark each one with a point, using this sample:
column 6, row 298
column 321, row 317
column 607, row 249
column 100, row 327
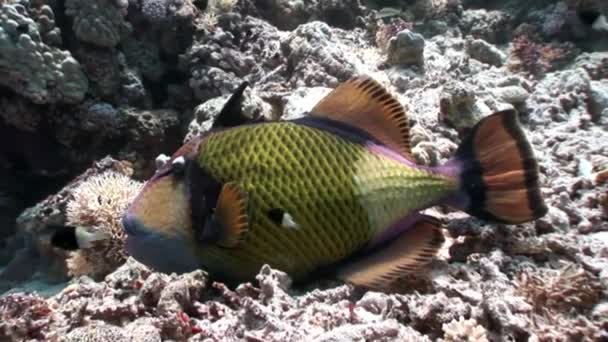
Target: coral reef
column 32, row 252
column 41, row 73
column 93, row 91
column 98, row 22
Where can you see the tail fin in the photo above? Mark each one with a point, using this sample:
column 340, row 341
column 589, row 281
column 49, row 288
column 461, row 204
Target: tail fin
column 498, row 171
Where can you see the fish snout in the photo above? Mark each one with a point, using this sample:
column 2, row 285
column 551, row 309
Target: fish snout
column 133, row 226
column 156, row 250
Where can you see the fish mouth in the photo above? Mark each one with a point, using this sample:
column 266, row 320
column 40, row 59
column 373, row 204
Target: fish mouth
column 157, row 251
column 133, row 227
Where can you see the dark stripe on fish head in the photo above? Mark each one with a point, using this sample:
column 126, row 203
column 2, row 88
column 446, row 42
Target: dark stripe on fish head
column 158, row 222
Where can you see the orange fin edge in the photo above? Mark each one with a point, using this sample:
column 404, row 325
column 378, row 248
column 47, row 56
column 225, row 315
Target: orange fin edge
column 364, row 103
column 231, row 212
column 405, row 255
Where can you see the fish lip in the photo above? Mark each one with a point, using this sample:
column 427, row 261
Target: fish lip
column 132, row 226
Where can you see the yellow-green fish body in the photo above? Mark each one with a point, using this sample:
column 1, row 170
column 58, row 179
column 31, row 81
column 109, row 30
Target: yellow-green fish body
column 339, row 194
column 337, row 190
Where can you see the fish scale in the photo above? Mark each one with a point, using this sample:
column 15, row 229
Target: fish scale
column 338, row 192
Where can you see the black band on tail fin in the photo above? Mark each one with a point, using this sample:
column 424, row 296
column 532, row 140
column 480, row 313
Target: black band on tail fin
column 499, row 173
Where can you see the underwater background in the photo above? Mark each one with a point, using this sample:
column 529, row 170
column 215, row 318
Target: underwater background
column 92, row 91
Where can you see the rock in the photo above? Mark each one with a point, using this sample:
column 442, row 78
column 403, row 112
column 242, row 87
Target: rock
column 33, row 69
column 459, row 107
column 515, row 95
column 100, row 22
column 406, row 48
column 485, row 52
column 289, row 14
column 205, row 114
column 102, row 67
column 598, row 97
column 555, row 220
column 144, row 55
column 493, row 26
column 299, row 102
column 180, row 294
column 97, row 333
column 149, row 133
column 20, row 113
column 143, row 333
column 318, row 57
column 220, row 61
column 388, row 330
column 171, row 11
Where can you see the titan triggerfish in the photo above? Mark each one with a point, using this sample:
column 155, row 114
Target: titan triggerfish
column 337, row 189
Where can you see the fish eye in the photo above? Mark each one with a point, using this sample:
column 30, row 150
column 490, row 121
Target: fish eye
column 178, row 165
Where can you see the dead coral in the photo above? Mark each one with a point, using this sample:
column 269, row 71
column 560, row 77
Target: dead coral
column 562, row 290
column 462, row 330
column 99, row 203
column 23, row 317
column 561, row 328
column 536, row 58
column 221, row 6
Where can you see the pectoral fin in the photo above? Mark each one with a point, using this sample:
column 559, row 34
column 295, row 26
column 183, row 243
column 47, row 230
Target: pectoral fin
column 405, row 255
column 230, row 216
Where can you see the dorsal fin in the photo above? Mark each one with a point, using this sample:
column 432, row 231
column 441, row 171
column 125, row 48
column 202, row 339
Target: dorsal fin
column 232, row 113
column 403, row 256
column 364, row 103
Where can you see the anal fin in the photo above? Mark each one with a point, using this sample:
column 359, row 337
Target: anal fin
column 231, row 215
column 403, row 256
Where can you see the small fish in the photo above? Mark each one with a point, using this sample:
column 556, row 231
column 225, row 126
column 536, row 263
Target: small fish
column 72, row 238
column 337, row 191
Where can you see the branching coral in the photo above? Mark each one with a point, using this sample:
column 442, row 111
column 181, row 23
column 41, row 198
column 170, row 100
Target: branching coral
column 462, row 330
column 560, row 328
column 561, row 290
column 98, row 203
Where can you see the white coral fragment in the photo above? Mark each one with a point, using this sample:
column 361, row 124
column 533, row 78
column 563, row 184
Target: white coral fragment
column 462, row 330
